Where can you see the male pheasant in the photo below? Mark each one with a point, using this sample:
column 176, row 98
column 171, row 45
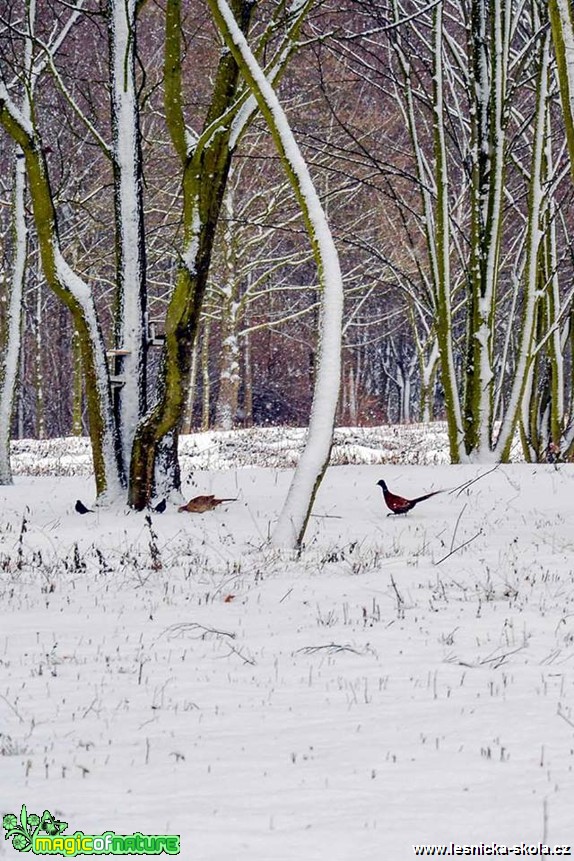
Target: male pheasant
column 400, row 505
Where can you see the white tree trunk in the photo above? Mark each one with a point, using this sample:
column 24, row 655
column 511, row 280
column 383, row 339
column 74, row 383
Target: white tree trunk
column 11, row 356
column 131, row 334
column 290, row 528
column 229, row 367
column 38, row 365
column 64, row 281
column 531, row 294
column 487, row 204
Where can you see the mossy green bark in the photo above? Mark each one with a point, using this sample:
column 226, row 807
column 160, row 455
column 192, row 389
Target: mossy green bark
column 205, row 169
column 315, row 457
column 444, row 322
column 47, row 232
column 561, row 30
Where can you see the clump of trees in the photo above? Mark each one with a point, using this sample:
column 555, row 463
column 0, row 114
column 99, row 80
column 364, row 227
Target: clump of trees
column 135, row 445
column 191, row 191
column 478, row 181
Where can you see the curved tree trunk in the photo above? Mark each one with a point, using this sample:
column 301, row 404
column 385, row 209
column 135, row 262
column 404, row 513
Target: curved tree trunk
column 290, row 528
column 205, row 170
column 13, row 330
column 74, row 293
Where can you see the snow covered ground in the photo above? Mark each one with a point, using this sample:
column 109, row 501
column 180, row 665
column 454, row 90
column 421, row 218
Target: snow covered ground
column 406, row 680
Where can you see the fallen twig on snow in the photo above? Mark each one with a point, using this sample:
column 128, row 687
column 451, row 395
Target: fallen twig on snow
column 456, row 525
column 200, row 631
column 458, row 490
column 400, row 600
column 460, row 546
column 331, row 647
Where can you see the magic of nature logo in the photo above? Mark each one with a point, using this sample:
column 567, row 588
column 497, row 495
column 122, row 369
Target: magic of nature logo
column 44, row 835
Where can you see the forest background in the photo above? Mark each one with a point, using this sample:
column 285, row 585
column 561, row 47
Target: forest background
column 160, row 271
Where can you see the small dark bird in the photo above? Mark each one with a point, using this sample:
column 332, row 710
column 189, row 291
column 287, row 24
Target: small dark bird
column 199, row 504
column 160, row 507
column 398, row 504
column 81, row 508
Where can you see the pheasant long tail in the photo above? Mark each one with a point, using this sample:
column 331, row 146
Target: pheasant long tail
column 426, row 496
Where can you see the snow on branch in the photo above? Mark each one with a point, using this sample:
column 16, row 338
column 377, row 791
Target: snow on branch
column 290, row 528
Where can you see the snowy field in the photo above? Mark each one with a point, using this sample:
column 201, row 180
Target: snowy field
column 406, row 680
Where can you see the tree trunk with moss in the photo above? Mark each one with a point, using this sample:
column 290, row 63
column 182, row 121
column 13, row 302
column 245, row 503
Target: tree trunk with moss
column 433, row 183
column 74, row 293
column 440, row 244
column 205, row 167
column 561, row 17
column 12, row 334
column 524, row 353
column 205, row 163
column 291, row 526
column 12, row 325
column 544, row 408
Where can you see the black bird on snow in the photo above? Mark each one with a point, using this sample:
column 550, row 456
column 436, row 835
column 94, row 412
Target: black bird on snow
column 81, row 508
column 400, row 505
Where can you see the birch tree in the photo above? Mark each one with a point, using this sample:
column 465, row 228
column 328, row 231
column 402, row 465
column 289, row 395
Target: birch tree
column 72, row 290
column 131, row 330
column 290, row 528
column 562, row 29
column 472, row 81
column 13, row 323
column 205, row 159
column 132, row 446
column 254, row 263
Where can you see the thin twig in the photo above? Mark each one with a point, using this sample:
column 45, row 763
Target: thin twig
column 497, row 660
column 561, row 714
column 90, row 707
column 13, row 707
column 400, row 599
column 458, row 490
column 460, row 546
column 332, row 647
column 240, row 654
column 200, row 631
column 456, row 525
column 328, row 516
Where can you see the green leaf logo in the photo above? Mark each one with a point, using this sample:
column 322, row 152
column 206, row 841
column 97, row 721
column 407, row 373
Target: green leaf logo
column 51, row 825
column 23, row 830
